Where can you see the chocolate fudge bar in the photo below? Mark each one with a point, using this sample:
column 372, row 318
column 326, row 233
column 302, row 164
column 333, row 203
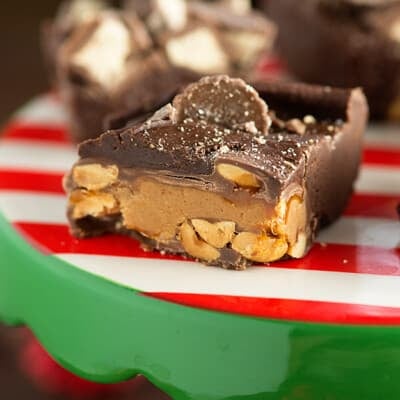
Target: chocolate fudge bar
column 207, row 37
column 344, row 43
column 220, row 176
column 109, row 65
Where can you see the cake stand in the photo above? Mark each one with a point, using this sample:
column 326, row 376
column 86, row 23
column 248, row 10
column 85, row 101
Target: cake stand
column 325, row 327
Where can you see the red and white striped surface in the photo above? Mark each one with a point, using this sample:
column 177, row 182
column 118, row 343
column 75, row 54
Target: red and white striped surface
column 351, row 276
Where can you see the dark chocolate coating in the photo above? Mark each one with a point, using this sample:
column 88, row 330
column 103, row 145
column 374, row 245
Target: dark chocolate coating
column 342, row 43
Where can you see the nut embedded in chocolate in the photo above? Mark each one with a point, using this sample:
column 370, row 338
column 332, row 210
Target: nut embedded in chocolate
column 230, row 197
column 217, row 234
column 195, row 246
column 238, row 176
column 95, row 176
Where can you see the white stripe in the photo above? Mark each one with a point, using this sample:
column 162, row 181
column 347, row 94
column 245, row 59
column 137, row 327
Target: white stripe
column 45, row 110
column 378, row 180
column 383, row 136
column 38, row 156
column 20, row 206
column 364, row 231
column 33, row 207
column 190, row 277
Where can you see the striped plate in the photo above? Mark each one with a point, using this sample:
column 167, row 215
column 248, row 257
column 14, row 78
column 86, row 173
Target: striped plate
column 351, row 276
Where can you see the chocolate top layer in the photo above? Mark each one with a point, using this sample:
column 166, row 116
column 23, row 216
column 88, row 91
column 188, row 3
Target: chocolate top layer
column 189, row 147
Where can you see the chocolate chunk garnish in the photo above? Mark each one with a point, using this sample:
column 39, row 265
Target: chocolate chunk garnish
column 224, row 101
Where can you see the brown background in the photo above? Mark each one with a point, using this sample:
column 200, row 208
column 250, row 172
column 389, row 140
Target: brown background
column 21, row 77
column 21, row 69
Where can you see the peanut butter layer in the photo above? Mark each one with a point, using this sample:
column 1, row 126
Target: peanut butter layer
column 229, row 191
column 228, row 225
column 176, row 203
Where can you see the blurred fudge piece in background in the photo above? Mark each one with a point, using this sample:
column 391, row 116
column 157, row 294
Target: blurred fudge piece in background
column 344, row 43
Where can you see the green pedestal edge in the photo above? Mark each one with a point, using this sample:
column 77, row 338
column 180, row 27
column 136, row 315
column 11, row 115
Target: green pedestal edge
column 108, row 333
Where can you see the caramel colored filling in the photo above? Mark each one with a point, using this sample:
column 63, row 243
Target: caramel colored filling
column 157, row 209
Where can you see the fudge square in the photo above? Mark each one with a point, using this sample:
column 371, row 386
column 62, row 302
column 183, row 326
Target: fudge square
column 225, row 173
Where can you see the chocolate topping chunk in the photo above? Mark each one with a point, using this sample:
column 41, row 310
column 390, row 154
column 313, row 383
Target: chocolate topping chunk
column 224, row 101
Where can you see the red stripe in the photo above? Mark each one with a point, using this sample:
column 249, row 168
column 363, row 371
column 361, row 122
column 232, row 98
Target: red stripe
column 31, row 181
column 383, row 157
column 331, row 257
column 18, row 130
column 299, row 310
column 57, row 239
column 375, row 206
